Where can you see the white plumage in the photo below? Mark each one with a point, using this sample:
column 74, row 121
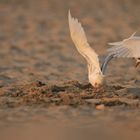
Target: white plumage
column 79, row 38
column 129, row 48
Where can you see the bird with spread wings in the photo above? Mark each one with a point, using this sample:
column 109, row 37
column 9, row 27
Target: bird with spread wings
column 127, row 48
column 95, row 72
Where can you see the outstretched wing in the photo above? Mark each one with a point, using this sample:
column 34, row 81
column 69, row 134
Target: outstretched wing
column 79, row 38
column 127, row 48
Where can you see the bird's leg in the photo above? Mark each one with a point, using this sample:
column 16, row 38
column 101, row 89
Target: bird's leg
column 137, row 62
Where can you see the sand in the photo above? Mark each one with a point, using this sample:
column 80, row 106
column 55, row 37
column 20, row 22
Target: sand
column 44, row 90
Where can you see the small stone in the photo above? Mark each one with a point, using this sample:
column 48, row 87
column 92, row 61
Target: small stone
column 100, row 107
column 56, row 99
column 93, row 101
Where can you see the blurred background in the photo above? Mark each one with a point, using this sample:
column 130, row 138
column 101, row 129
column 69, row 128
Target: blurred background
column 35, row 44
column 35, row 40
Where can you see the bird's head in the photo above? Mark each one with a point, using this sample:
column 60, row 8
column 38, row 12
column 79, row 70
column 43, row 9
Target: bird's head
column 96, row 80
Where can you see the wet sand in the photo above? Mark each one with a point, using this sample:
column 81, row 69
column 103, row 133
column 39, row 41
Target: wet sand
column 44, row 90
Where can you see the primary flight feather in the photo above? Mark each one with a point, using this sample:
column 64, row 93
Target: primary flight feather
column 129, row 48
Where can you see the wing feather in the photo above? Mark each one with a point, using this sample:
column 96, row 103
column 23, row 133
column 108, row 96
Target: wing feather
column 127, row 48
column 79, row 38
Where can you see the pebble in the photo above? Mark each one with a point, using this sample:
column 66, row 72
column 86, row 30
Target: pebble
column 100, row 107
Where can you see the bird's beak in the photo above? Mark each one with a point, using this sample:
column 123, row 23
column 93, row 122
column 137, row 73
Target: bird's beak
column 137, row 64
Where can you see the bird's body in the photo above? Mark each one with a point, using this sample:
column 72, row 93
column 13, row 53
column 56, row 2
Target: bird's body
column 129, row 48
column 95, row 74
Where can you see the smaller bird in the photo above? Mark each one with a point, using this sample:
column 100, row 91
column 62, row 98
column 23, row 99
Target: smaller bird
column 129, row 48
column 95, row 72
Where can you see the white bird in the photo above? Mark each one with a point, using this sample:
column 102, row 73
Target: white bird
column 129, row 48
column 95, row 72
